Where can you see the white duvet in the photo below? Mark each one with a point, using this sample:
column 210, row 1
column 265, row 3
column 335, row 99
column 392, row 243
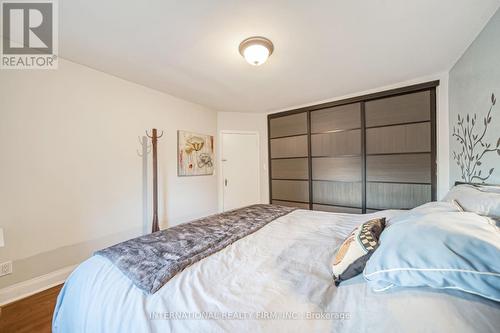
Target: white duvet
column 275, row 280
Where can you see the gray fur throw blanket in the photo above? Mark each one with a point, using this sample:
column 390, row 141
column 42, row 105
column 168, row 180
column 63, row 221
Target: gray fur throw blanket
column 151, row 260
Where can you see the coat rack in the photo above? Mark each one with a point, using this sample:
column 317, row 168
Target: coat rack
column 154, row 139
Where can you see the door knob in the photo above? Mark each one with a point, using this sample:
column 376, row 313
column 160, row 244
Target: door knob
column 225, row 182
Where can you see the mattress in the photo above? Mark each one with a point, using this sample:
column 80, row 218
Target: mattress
column 277, row 279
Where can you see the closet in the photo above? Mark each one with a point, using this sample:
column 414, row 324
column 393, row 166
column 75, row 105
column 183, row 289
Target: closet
column 358, row 155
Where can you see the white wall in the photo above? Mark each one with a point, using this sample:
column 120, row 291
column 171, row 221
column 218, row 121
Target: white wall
column 256, row 122
column 71, row 179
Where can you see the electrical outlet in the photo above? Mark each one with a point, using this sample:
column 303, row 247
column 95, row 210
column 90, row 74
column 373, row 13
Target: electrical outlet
column 6, row 268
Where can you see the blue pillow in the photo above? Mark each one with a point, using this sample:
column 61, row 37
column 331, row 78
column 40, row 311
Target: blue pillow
column 445, row 250
column 425, row 209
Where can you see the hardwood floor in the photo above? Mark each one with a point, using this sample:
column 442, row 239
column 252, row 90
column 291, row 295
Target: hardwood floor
column 30, row 314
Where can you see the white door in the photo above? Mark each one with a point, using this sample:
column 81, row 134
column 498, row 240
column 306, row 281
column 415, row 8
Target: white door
column 240, row 170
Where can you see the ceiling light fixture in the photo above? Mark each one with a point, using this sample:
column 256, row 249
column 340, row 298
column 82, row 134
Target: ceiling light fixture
column 256, row 50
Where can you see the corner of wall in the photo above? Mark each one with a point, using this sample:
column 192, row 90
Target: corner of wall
column 443, row 136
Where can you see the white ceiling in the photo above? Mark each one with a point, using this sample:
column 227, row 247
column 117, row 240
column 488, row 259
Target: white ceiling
column 323, row 48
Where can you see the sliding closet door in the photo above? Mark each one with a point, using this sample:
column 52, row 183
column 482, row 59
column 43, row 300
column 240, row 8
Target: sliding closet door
column 358, row 155
column 336, row 159
column 289, row 150
column 399, row 156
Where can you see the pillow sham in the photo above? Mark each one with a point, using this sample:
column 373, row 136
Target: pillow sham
column 354, row 252
column 489, row 188
column 444, row 250
column 427, row 208
column 481, row 200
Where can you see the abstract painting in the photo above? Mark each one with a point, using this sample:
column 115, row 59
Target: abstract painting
column 195, row 154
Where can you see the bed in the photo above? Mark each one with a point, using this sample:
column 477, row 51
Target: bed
column 276, row 279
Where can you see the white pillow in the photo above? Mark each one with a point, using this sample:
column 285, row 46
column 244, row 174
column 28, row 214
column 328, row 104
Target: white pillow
column 492, row 189
column 482, row 200
column 427, row 208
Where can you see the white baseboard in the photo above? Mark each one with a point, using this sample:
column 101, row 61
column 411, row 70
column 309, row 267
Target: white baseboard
column 27, row 288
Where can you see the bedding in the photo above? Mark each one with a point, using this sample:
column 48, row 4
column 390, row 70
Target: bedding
column 423, row 210
column 277, row 279
column 489, row 188
column 482, row 200
column 352, row 255
column 445, row 250
column 151, row 260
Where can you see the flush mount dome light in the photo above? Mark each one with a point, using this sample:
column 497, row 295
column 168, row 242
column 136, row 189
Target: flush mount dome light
column 256, row 50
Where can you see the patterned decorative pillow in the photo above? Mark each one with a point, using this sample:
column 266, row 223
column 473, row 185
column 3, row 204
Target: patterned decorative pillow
column 356, row 249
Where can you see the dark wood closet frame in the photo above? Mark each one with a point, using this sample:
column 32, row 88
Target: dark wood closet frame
column 427, row 86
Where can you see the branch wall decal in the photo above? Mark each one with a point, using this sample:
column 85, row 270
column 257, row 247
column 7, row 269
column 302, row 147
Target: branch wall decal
column 473, row 146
